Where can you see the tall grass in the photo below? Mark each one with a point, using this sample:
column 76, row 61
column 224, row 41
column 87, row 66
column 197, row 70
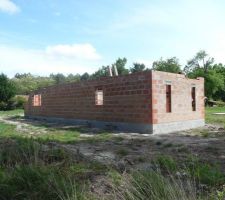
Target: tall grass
column 31, row 170
column 153, row 185
column 34, row 168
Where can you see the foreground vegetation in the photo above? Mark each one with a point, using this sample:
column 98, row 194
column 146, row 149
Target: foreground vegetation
column 38, row 167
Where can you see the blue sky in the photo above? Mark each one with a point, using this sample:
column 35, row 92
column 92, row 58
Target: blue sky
column 75, row 36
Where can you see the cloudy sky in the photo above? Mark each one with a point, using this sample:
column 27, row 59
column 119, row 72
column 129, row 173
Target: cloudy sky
column 75, row 36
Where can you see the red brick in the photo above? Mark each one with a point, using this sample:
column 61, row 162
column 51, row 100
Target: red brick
column 128, row 98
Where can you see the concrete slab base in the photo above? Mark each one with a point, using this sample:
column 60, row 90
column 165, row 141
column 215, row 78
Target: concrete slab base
column 116, row 126
column 177, row 126
column 128, row 127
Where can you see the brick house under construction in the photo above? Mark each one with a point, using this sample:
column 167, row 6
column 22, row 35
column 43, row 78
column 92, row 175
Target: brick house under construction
column 145, row 102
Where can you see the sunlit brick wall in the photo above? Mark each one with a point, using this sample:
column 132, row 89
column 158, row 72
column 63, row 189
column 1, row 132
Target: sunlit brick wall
column 181, row 97
column 125, row 99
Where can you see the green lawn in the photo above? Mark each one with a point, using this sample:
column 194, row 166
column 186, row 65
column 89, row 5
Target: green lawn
column 12, row 112
column 215, row 119
column 47, row 133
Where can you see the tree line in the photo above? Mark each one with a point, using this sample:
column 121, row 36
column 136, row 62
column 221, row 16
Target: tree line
column 201, row 65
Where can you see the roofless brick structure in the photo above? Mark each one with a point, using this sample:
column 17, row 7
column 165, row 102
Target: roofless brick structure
column 146, row 102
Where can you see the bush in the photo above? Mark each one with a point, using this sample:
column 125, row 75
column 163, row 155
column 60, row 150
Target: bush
column 17, row 102
column 3, row 105
column 13, row 103
column 21, row 100
column 7, row 88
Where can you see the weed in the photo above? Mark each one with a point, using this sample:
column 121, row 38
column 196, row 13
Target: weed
column 220, row 194
column 90, row 167
column 167, row 145
column 122, row 152
column 153, row 185
column 166, row 162
column 205, row 133
column 205, row 173
column 32, row 170
column 115, row 177
column 32, row 182
column 182, row 149
column 141, row 159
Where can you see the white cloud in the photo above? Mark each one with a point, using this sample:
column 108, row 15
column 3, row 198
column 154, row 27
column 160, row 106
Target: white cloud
column 8, row 6
column 17, row 60
column 82, row 51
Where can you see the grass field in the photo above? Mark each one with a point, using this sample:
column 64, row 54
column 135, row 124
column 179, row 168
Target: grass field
column 35, row 164
column 215, row 119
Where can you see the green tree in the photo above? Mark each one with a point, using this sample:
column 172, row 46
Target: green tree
column 26, row 84
column 7, row 89
column 137, row 67
column 103, row 71
column 59, row 78
column 73, row 78
column 120, row 64
column 85, row 77
column 169, row 65
column 200, row 60
column 202, row 66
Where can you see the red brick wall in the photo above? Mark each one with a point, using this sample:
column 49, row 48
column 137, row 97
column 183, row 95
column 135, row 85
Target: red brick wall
column 126, row 99
column 181, row 97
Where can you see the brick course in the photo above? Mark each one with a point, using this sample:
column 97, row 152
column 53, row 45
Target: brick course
column 126, row 99
column 138, row 98
column 181, row 97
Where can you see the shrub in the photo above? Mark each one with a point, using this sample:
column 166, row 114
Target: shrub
column 13, row 103
column 7, row 88
column 3, row 105
column 20, row 101
column 16, row 102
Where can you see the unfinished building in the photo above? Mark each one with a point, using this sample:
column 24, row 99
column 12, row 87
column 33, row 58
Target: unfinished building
column 145, row 102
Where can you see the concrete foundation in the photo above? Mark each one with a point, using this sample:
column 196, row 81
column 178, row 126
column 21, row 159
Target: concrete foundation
column 127, row 127
column 177, row 126
column 117, row 126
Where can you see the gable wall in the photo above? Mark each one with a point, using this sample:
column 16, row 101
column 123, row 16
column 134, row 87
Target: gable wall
column 180, row 97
